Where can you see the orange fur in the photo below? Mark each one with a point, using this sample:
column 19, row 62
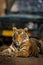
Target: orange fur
column 24, row 46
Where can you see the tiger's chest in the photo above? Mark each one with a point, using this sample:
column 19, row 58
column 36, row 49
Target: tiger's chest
column 21, row 46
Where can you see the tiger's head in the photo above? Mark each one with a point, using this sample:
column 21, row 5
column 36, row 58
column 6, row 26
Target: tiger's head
column 20, row 36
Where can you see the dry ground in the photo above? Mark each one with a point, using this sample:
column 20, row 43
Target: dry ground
column 7, row 60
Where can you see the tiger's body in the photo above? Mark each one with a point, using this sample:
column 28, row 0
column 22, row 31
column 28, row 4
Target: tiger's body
column 22, row 45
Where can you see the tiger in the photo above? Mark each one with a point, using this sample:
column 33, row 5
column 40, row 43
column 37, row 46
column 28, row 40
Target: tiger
column 22, row 45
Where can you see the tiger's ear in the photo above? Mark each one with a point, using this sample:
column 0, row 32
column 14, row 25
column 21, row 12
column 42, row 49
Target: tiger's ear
column 14, row 28
column 26, row 29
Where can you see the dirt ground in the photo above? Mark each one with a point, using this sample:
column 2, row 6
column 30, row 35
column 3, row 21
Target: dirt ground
column 8, row 60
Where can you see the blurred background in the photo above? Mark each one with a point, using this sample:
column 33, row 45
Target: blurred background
column 20, row 13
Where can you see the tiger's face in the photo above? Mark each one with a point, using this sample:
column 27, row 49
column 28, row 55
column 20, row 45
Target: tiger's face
column 20, row 36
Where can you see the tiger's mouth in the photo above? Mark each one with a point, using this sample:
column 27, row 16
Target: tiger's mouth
column 17, row 44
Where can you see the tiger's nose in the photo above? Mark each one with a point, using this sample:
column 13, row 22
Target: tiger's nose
column 19, row 38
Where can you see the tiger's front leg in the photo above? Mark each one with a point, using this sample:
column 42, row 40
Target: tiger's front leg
column 24, row 52
column 25, row 49
column 10, row 51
